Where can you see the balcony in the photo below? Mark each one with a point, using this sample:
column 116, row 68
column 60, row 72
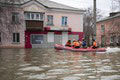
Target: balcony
column 34, row 25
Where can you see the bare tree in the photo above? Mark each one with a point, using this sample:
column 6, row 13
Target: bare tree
column 114, row 30
column 115, row 5
column 88, row 24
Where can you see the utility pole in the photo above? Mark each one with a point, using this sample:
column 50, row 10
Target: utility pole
column 94, row 28
column 119, row 5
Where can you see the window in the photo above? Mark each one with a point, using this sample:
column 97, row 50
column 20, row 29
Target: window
column 34, row 16
column 49, row 20
column 37, row 16
column 112, row 39
column 50, row 37
column 0, row 37
column 15, row 17
column 102, row 28
column 36, row 39
column 27, row 16
column 16, row 37
column 64, row 21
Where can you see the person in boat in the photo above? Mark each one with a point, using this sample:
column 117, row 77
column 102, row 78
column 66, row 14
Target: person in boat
column 84, row 44
column 80, row 43
column 94, row 44
column 76, row 44
column 68, row 43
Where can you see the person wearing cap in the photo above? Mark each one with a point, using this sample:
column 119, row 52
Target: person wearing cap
column 68, row 43
column 94, row 44
column 84, row 44
column 76, row 44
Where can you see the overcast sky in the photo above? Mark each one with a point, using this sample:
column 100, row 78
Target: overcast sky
column 103, row 5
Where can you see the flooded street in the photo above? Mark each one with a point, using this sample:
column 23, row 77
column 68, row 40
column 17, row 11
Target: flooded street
column 49, row 64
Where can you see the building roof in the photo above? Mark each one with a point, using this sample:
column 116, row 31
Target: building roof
column 110, row 17
column 46, row 3
column 54, row 5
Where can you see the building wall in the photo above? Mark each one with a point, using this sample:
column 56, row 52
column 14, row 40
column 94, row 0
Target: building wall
column 7, row 27
column 75, row 20
column 109, row 31
column 57, row 38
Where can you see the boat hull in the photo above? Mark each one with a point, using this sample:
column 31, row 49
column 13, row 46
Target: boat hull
column 61, row 47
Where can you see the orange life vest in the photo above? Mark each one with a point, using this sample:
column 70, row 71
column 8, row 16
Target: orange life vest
column 94, row 44
column 76, row 44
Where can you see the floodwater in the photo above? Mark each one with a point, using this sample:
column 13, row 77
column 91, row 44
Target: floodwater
column 49, row 64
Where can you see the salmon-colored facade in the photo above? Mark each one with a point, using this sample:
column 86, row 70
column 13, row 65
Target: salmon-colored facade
column 108, row 30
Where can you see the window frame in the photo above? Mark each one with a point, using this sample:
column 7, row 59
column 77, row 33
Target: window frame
column 15, row 17
column 28, row 16
column 64, row 21
column 36, row 34
column 50, row 20
column 102, row 28
column 112, row 38
column 16, row 38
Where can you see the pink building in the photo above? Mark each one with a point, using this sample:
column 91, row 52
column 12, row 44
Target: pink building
column 48, row 23
column 108, row 30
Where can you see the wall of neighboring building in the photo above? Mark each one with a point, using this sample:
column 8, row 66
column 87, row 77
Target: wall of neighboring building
column 8, row 27
column 110, row 30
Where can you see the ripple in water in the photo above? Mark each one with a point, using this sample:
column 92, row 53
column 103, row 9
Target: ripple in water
column 32, row 68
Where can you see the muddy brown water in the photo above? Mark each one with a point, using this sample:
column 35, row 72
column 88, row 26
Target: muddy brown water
column 50, row 64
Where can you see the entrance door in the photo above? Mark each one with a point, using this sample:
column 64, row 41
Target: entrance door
column 64, row 37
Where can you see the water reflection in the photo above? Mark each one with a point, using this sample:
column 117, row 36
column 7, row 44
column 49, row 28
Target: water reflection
column 49, row 64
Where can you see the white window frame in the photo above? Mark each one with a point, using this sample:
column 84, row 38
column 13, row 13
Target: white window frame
column 40, row 18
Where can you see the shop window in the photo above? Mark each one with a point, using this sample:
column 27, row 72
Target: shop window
column 50, row 37
column 36, row 39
